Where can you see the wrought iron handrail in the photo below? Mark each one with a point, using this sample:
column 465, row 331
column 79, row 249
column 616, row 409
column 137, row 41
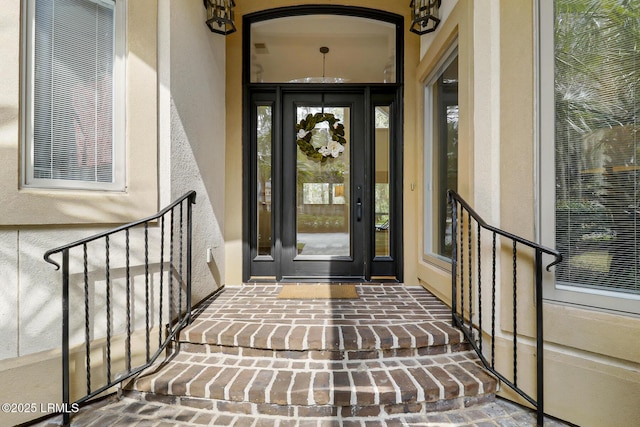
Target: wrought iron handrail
column 178, row 273
column 470, row 265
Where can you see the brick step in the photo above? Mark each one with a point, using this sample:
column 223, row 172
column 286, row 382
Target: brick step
column 400, row 323
column 351, row 335
column 320, row 388
column 372, row 339
column 388, row 354
column 246, row 413
column 368, row 354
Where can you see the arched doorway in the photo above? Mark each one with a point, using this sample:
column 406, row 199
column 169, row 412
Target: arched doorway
column 317, row 209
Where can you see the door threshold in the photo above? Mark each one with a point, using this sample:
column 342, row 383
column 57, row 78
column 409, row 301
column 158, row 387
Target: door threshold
column 316, row 279
column 336, row 280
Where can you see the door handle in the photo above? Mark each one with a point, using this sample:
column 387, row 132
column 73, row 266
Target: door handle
column 359, row 203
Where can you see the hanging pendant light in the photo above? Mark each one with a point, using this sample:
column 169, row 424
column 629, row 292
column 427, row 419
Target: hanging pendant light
column 424, row 16
column 324, row 79
column 220, row 16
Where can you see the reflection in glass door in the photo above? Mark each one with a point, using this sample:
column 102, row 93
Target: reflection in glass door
column 323, row 190
column 381, row 176
column 323, row 207
column 265, row 179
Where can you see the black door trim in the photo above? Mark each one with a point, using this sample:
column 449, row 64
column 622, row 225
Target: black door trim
column 282, row 12
column 256, row 269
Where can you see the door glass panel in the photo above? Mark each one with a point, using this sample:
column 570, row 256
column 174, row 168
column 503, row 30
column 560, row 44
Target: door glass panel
column 361, row 50
column 322, row 193
column 264, row 126
column 382, row 162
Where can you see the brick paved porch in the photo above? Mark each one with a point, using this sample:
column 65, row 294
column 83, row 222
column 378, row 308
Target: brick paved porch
column 250, row 359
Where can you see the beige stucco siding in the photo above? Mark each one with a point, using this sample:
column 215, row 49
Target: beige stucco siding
column 457, row 29
column 592, row 360
column 175, row 140
column 194, row 106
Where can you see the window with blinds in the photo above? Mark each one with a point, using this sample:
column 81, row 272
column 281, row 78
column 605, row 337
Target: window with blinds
column 597, row 145
column 73, row 138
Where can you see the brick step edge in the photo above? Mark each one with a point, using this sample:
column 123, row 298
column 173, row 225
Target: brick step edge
column 361, row 354
column 380, row 412
column 350, row 336
column 308, row 383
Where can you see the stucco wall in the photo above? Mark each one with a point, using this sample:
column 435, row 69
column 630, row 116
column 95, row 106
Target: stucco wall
column 592, row 377
column 175, row 143
column 32, row 309
column 196, row 111
column 445, row 10
column 592, row 360
column 458, row 25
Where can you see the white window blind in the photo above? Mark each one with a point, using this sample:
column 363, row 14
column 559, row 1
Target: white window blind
column 597, row 145
column 73, row 99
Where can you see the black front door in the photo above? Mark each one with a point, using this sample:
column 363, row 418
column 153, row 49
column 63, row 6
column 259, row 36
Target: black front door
column 337, row 219
column 325, row 208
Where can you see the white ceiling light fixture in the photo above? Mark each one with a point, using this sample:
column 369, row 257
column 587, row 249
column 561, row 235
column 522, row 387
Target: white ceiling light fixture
column 324, row 79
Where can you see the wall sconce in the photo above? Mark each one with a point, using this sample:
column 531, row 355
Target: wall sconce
column 424, row 16
column 220, row 16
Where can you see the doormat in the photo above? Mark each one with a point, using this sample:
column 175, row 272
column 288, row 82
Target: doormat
column 318, row 291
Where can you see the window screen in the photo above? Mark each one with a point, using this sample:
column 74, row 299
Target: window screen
column 72, row 124
column 597, row 78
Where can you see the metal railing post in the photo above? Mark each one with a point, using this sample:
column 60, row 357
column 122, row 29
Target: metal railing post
column 539, row 339
column 454, row 258
column 190, row 203
column 65, row 337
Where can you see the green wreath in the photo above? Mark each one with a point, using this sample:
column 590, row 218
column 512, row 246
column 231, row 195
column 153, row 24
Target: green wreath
column 304, row 137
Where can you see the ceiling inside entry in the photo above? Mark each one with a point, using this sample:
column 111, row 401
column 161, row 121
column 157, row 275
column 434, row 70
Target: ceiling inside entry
column 287, row 49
